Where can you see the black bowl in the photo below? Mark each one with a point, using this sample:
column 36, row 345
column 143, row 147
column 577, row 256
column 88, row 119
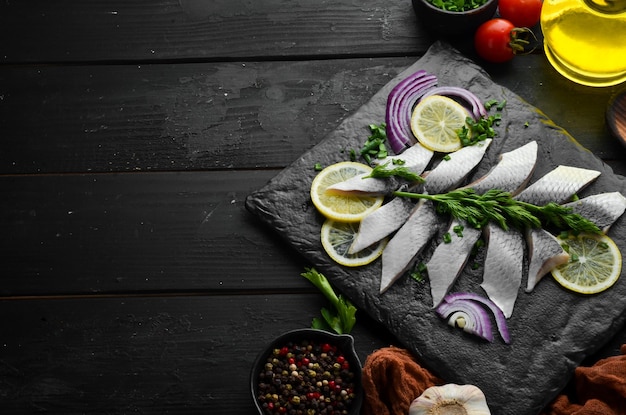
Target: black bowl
column 452, row 24
column 343, row 342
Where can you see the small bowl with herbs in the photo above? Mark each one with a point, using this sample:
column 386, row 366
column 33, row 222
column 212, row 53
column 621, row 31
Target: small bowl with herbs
column 451, row 18
column 308, row 371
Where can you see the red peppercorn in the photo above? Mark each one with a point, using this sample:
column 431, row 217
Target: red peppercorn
column 326, row 347
column 305, row 361
column 345, row 365
column 340, row 359
column 284, row 351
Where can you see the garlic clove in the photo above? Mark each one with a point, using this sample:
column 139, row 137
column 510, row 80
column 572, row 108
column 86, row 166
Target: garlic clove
column 450, row 399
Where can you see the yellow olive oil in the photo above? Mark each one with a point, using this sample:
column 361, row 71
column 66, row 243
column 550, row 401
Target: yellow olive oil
column 585, row 40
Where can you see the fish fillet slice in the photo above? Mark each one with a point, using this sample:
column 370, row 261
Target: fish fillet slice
column 408, row 243
column 450, row 173
column 381, row 223
column 511, row 173
column 415, row 159
column 503, row 267
column 545, row 253
column 602, row 209
column 558, row 185
column 448, row 260
column 422, row 224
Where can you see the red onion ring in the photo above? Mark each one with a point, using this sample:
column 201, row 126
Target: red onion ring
column 400, row 102
column 463, row 302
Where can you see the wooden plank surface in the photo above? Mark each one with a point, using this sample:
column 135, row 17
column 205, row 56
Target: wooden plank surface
column 177, row 117
column 143, row 30
column 77, row 119
column 143, row 232
column 183, row 355
column 133, row 280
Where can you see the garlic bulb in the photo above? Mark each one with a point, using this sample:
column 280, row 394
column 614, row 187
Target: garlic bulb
column 450, row 399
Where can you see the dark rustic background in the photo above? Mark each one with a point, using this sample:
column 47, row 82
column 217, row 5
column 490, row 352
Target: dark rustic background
column 131, row 277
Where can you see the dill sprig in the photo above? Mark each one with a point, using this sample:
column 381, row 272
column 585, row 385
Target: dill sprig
column 381, row 171
column 500, row 207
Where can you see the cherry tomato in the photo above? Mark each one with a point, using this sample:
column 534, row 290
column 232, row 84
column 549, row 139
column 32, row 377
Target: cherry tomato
column 522, row 13
column 492, row 40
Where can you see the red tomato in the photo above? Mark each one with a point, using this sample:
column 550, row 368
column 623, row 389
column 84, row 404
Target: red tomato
column 492, row 40
column 522, row 13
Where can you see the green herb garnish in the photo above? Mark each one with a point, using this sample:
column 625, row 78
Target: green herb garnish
column 375, row 145
column 419, row 272
column 457, row 5
column 475, row 131
column 458, row 230
column 342, row 317
column 382, row 172
column 500, row 207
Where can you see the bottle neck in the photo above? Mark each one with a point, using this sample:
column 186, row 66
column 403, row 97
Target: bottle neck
column 607, row 6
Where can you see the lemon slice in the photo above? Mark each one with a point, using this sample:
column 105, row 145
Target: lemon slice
column 594, row 266
column 341, row 207
column 435, row 122
column 337, row 237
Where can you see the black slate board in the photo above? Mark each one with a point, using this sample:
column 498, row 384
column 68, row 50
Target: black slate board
column 552, row 330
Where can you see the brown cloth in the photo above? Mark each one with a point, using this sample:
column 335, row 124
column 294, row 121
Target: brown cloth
column 392, row 379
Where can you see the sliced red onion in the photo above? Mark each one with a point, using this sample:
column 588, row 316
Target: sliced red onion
column 477, row 107
column 463, row 301
column 476, row 319
column 400, row 103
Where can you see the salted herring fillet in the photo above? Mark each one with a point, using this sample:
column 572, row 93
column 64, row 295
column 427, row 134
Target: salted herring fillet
column 415, row 159
column 510, row 174
column 547, row 253
column 504, row 264
column 381, row 222
column 603, row 209
column 558, row 185
column 449, row 258
column 407, row 243
column 450, row 173
column 422, row 224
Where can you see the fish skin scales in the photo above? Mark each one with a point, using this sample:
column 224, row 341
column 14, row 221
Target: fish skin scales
column 511, row 173
column 503, row 267
column 363, row 185
column 407, row 243
column 558, row 185
column 381, row 223
column 449, row 259
column 415, row 159
column 545, row 253
column 422, row 224
column 449, row 173
column 603, row 209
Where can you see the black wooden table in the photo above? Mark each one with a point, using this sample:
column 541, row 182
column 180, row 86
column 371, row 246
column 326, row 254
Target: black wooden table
column 132, row 279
